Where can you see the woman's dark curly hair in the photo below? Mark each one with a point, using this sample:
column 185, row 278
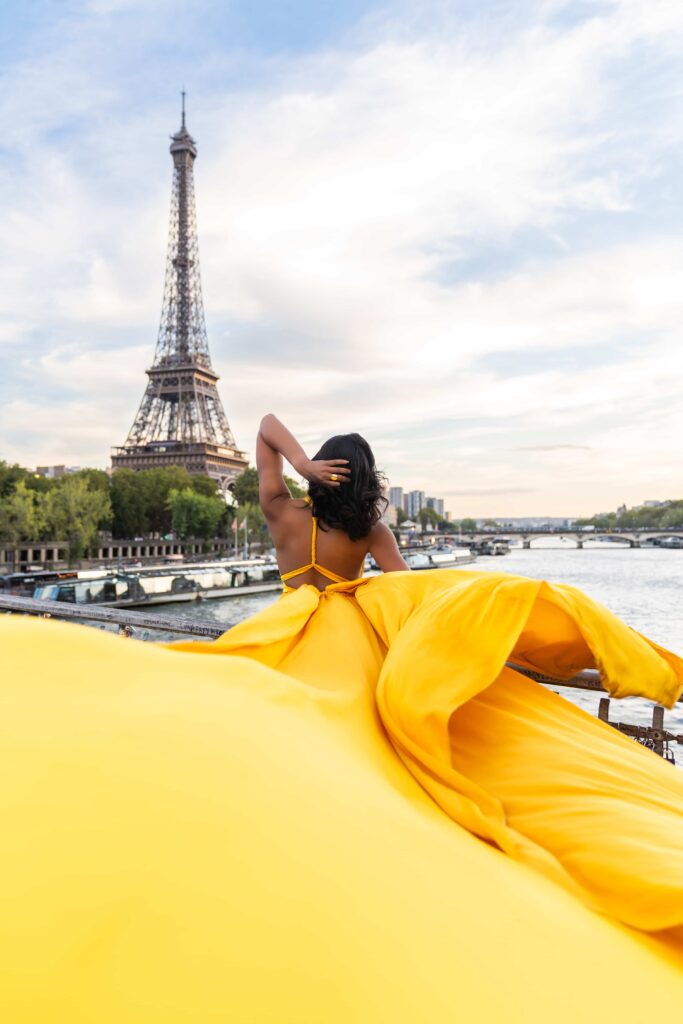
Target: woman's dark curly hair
column 356, row 506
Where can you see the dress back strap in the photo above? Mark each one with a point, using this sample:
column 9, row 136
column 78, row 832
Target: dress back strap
column 314, row 533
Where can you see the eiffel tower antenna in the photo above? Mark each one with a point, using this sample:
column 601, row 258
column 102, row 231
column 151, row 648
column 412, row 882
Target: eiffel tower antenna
column 181, row 420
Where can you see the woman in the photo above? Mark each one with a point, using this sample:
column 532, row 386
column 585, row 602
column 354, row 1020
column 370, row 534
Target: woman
column 345, row 501
column 353, row 811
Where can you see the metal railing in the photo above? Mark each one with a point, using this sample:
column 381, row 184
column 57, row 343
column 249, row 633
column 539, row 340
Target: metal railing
column 130, row 623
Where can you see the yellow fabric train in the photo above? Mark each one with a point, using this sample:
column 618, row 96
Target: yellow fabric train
column 353, row 811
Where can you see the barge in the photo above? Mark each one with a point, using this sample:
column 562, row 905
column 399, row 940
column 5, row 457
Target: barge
column 167, row 584
column 438, row 558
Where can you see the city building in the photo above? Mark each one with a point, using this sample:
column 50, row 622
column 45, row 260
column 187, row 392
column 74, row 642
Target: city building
column 396, row 497
column 415, row 501
column 412, row 502
column 437, row 505
column 52, row 472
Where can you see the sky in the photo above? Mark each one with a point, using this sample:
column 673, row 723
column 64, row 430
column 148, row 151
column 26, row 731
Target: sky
column 454, row 227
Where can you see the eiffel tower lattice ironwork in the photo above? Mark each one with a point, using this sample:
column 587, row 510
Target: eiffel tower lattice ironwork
column 181, row 420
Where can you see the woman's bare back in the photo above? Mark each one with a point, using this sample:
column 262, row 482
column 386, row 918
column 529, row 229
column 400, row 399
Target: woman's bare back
column 293, row 535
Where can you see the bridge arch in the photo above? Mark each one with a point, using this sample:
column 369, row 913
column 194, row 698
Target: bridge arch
column 665, row 535
column 619, row 539
column 574, row 541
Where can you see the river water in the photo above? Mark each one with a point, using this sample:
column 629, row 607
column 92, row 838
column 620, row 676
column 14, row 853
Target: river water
column 643, row 586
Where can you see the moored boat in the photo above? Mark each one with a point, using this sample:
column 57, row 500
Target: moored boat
column 491, row 546
column 24, row 584
column 438, row 558
column 165, row 584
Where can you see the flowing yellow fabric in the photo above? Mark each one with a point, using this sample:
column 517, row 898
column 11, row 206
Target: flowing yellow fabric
column 351, row 812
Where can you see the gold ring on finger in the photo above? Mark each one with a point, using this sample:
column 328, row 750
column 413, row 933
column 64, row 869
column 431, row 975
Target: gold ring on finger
column 334, row 477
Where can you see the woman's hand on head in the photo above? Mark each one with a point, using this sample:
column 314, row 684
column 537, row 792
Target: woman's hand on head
column 328, row 472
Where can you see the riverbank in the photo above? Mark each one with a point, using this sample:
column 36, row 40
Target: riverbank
column 53, row 554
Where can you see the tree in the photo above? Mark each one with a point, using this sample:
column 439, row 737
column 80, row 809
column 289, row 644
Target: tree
column 668, row 514
column 41, row 484
column 205, row 485
column 257, row 529
column 193, row 514
column 140, row 499
column 673, row 515
column 468, row 525
column 401, row 515
column 22, row 514
column 97, row 482
column 74, row 512
column 224, row 523
column 10, row 476
column 129, row 509
column 295, row 490
column 157, row 485
column 96, row 479
column 245, row 488
column 428, row 515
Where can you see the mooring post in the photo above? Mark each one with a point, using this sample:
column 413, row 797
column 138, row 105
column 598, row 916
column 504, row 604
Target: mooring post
column 603, row 709
column 658, row 729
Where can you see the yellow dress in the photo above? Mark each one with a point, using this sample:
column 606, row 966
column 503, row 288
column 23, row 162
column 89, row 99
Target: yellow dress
column 351, row 812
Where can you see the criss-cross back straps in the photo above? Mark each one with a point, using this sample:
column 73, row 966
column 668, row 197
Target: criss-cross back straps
column 327, row 573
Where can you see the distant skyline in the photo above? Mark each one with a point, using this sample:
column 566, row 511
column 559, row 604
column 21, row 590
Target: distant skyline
column 454, row 227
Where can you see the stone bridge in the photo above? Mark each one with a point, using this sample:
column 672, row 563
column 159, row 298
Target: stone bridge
column 623, row 538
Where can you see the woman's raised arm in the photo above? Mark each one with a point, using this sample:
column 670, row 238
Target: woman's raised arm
column 275, row 442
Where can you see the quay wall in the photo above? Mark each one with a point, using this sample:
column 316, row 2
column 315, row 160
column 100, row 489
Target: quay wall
column 53, row 554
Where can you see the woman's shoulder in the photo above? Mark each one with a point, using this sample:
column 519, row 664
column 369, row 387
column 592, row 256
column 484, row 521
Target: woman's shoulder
column 380, row 531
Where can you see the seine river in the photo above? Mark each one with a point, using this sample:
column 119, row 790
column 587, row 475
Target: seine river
column 642, row 586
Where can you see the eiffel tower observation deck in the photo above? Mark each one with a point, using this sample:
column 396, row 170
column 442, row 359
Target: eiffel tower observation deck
column 181, row 420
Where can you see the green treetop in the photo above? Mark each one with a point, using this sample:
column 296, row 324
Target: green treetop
column 245, row 488
column 194, row 514
column 22, row 513
column 75, row 512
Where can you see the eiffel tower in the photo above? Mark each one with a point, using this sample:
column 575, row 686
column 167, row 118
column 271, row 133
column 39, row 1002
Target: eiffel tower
column 181, row 420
